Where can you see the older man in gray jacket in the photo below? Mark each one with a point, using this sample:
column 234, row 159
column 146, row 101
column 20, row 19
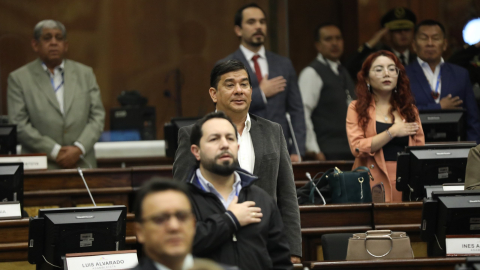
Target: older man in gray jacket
column 55, row 102
column 263, row 150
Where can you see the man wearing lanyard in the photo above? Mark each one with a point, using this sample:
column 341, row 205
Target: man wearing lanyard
column 437, row 84
column 55, row 102
column 238, row 223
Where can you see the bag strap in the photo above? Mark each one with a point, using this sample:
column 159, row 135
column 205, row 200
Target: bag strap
column 323, row 181
column 364, row 169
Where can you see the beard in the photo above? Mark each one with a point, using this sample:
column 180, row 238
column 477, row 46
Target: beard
column 256, row 41
column 224, row 169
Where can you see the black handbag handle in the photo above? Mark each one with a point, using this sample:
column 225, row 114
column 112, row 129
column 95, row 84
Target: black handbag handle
column 365, row 169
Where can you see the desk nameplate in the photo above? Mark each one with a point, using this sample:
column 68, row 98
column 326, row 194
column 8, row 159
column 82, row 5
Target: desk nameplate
column 115, row 260
column 462, row 245
column 10, row 210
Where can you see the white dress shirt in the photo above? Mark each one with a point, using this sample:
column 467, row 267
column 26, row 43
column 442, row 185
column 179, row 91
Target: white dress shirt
column 432, row 77
column 311, row 85
column 262, row 62
column 406, row 54
column 208, row 187
column 187, row 264
column 58, row 82
column 246, row 153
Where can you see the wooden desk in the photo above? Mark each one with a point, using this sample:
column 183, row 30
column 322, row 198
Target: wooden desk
column 399, row 217
column 133, row 162
column 393, row 264
column 317, row 220
column 65, row 188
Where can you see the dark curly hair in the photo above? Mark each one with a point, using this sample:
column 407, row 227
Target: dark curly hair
column 402, row 101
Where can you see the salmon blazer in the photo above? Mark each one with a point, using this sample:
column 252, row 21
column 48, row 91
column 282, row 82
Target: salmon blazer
column 361, row 143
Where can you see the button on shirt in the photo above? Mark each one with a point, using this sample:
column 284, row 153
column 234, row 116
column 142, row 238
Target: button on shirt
column 208, row 187
column 311, row 85
column 187, row 264
column 432, row 76
column 58, row 82
column 246, row 153
column 262, row 62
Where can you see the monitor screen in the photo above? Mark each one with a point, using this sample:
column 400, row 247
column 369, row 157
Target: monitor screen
column 171, row 133
column 443, row 125
column 449, row 213
column 56, row 232
column 431, row 164
column 8, row 139
column 11, row 182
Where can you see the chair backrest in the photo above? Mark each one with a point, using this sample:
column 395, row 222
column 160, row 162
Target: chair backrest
column 335, row 246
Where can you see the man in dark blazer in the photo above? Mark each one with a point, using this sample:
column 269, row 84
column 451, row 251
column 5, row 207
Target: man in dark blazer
column 263, row 149
column 274, row 82
column 437, row 84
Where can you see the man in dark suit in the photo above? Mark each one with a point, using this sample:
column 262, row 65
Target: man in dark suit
column 263, row 149
column 397, row 31
column 274, row 82
column 437, row 84
column 165, row 225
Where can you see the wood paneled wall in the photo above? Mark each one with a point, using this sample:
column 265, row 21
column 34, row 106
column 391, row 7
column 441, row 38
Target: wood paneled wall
column 155, row 47
column 165, row 48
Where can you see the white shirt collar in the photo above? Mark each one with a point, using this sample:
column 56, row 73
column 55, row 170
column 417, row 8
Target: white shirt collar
column 60, row 67
column 332, row 64
column 187, row 264
column 425, row 64
column 248, row 123
column 249, row 54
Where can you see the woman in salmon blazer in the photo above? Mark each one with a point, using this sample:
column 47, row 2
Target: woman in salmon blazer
column 383, row 120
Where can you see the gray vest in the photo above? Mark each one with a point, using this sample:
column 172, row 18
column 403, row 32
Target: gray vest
column 329, row 117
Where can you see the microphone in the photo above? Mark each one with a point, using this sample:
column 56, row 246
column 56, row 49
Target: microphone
column 85, row 182
column 287, row 115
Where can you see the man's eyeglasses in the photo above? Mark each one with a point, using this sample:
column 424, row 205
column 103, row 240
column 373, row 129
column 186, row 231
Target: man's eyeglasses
column 162, row 219
column 380, row 71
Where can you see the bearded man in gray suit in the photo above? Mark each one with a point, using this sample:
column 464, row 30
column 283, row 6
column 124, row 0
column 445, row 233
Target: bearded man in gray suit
column 263, row 150
column 55, row 102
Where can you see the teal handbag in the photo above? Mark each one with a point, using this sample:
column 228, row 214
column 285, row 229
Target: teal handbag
column 346, row 187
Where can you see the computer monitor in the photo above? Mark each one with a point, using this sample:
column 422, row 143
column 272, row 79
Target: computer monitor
column 139, row 118
column 56, row 232
column 443, row 125
column 8, row 139
column 431, row 164
column 449, row 213
column 11, row 183
column 171, row 133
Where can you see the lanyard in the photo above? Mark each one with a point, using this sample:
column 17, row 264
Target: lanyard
column 53, row 83
column 438, row 82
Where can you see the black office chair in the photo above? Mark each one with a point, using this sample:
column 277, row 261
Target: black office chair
column 335, row 246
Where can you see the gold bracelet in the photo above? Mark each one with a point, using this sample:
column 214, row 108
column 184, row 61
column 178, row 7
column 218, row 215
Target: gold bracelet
column 389, row 134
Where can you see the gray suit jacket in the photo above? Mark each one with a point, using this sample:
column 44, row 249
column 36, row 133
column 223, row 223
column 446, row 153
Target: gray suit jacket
column 33, row 107
column 272, row 166
column 289, row 100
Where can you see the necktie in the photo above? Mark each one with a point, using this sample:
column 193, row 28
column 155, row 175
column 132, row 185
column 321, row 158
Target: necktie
column 258, row 72
column 402, row 59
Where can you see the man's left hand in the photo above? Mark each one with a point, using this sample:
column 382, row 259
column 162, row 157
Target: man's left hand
column 68, row 156
column 295, row 259
column 294, row 158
